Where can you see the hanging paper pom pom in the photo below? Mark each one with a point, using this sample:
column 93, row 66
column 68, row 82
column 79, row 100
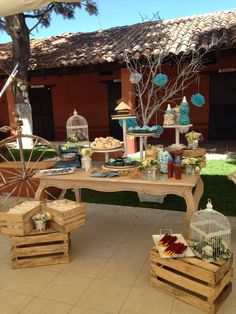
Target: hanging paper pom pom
column 160, row 79
column 135, row 77
column 198, row 100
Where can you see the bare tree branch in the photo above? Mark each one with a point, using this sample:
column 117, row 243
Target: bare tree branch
column 150, row 62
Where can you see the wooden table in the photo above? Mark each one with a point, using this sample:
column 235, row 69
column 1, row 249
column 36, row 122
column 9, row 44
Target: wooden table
column 81, row 179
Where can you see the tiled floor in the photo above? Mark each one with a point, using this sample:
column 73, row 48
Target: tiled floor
column 109, row 270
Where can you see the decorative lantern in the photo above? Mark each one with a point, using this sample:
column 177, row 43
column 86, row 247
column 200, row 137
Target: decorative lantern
column 77, row 129
column 210, row 234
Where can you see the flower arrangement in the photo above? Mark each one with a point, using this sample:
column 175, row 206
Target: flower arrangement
column 77, row 136
column 194, row 162
column 211, row 249
column 193, row 136
column 42, row 216
column 86, row 151
column 149, row 164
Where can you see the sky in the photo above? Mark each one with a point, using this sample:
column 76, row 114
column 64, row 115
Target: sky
column 126, row 12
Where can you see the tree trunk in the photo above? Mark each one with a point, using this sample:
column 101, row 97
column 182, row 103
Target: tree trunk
column 19, row 32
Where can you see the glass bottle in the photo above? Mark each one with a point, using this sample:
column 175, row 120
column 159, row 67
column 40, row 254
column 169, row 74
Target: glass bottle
column 170, row 167
column 178, row 168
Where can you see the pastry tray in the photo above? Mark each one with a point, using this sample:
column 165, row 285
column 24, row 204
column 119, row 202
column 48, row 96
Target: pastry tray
column 119, row 168
column 55, row 171
column 187, row 253
column 104, row 150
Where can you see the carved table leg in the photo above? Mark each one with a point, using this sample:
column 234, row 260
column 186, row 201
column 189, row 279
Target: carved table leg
column 191, row 209
column 198, row 191
column 77, row 195
column 39, row 192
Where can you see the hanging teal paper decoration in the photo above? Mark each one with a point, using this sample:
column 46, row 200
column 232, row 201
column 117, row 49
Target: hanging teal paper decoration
column 130, row 123
column 158, row 129
column 135, row 77
column 160, row 79
column 198, row 100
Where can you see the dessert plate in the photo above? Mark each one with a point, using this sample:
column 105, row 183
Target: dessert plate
column 161, row 249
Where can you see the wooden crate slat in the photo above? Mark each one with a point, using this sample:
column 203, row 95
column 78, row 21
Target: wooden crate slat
column 40, row 261
column 17, row 223
column 16, row 229
column 200, row 263
column 38, row 250
column 68, row 227
column 80, row 208
column 197, row 302
column 183, row 281
column 69, row 220
column 222, row 283
column 181, row 295
column 221, row 298
column 185, row 267
column 31, row 239
column 172, row 278
column 225, row 265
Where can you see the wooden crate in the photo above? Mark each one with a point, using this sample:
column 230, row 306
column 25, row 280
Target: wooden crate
column 201, row 284
column 17, row 223
column 37, row 249
column 66, row 220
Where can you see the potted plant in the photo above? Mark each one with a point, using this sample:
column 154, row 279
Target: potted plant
column 40, row 219
column 193, row 138
column 151, row 166
column 86, row 153
column 191, row 165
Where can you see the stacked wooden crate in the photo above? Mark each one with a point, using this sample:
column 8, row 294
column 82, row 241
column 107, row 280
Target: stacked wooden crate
column 30, row 247
column 18, row 220
column 66, row 215
column 192, row 280
column 36, row 249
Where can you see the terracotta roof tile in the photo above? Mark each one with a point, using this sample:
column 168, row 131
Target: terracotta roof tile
column 179, row 36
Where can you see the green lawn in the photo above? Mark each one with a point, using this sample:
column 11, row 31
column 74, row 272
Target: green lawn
column 217, row 186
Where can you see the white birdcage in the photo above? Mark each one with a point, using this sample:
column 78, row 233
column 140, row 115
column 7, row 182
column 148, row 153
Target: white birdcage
column 210, row 234
column 77, row 129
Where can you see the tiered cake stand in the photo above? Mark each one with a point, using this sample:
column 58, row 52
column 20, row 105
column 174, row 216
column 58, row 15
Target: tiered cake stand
column 107, row 151
column 178, row 129
column 141, row 137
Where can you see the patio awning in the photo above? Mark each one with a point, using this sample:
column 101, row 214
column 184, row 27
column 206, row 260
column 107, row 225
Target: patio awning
column 9, row 7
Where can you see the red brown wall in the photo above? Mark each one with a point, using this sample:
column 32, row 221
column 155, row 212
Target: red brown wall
column 87, row 93
column 199, row 117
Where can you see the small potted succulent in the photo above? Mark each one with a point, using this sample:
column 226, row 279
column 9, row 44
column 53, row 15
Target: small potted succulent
column 40, row 219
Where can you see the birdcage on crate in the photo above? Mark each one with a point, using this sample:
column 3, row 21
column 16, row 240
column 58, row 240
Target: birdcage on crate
column 210, row 234
column 77, row 129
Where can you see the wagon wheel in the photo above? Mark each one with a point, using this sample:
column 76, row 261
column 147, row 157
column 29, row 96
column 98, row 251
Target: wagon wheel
column 18, row 165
